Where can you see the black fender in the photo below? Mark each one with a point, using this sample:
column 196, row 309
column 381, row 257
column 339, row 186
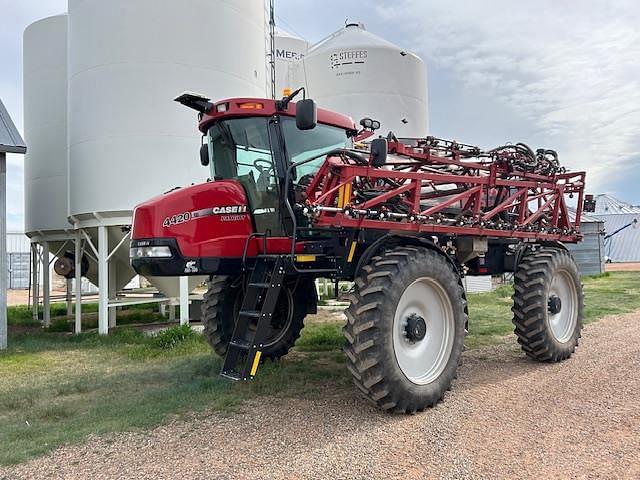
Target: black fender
column 553, row 244
column 524, row 246
column 392, row 240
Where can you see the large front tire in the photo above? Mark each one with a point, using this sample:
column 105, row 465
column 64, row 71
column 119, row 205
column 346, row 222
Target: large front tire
column 222, row 303
column 405, row 329
column 548, row 304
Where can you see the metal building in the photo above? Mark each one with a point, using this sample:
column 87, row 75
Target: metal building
column 622, row 240
column 18, row 261
column 608, row 205
column 589, row 253
column 622, row 225
column 10, row 142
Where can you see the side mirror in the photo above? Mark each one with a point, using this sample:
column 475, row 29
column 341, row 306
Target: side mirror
column 204, row 154
column 378, row 156
column 306, row 114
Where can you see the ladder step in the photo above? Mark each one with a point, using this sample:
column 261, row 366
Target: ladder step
column 254, row 317
column 235, row 376
column 239, row 343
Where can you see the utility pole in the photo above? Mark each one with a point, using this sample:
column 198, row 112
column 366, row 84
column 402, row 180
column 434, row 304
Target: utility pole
column 3, row 251
column 272, row 47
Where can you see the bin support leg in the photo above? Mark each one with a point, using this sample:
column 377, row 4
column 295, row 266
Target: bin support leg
column 46, row 285
column 103, row 281
column 184, row 300
column 78, row 259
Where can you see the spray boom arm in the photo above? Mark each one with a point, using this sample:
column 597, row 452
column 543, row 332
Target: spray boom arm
column 441, row 186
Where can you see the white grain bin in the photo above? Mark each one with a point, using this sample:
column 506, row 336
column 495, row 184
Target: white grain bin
column 289, row 49
column 128, row 141
column 45, row 128
column 362, row 75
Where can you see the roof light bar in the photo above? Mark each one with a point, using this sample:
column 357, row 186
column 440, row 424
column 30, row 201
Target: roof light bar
column 251, row 106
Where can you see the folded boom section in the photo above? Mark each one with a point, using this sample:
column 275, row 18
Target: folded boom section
column 440, row 186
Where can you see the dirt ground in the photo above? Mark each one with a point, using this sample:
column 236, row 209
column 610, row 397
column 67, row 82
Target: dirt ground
column 17, row 297
column 506, row 417
column 21, row 297
column 622, row 267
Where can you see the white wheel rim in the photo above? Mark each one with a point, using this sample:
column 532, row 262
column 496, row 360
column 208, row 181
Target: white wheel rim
column 563, row 323
column 422, row 361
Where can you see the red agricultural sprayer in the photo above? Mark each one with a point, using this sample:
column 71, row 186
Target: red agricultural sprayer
column 295, row 194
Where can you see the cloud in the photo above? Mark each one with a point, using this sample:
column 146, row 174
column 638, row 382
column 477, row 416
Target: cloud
column 570, row 68
column 14, row 18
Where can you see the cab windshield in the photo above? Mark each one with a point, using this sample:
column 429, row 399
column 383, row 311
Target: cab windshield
column 303, row 144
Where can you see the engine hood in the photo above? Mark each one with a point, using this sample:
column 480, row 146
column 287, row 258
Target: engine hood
column 211, row 219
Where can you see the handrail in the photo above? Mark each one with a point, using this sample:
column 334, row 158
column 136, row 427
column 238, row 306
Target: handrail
column 287, row 181
column 264, row 235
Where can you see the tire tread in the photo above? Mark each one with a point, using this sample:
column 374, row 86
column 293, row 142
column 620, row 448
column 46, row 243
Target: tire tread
column 535, row 271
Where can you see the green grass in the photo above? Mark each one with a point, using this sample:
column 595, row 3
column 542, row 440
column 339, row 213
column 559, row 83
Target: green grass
column 606, row 294
column 321, row 338
column 21, row 315
column 490, row 313
column 489, row 316
column 58, row 388
column 611, row 294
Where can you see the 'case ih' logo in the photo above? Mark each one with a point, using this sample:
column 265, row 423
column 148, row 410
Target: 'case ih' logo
column 220, row 210
column 237, row 213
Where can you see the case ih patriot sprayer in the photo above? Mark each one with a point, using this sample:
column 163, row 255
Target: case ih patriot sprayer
column 294, row 196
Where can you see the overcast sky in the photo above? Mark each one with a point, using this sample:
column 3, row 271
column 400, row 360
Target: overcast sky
column 562, row 75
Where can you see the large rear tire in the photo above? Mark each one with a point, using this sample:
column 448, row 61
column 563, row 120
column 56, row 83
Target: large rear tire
column 405, row 329
column 548, row 304
column 222, row 303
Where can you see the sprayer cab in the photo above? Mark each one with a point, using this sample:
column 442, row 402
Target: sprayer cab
column 248, row 147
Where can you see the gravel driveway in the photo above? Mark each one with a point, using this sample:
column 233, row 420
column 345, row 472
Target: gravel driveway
column 506, row 417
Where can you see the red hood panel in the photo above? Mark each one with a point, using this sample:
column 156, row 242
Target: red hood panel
column 207, row 220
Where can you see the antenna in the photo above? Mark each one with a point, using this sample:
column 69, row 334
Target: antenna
column 272, row 46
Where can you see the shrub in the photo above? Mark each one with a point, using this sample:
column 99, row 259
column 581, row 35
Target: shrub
column 21, row 315
column 59, row 325
column 169, row 338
